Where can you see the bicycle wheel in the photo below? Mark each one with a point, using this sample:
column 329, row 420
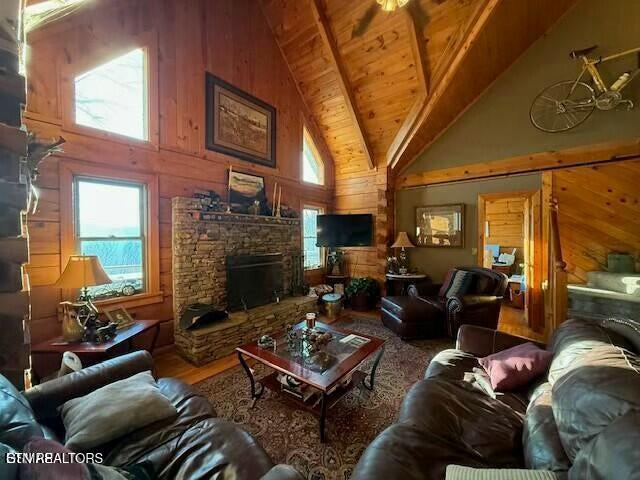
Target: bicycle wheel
column 558, row 108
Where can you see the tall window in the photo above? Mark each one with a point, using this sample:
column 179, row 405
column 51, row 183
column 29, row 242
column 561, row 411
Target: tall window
column 113, row 96
column 312, row 254
column 312, row 166
column 110, row 223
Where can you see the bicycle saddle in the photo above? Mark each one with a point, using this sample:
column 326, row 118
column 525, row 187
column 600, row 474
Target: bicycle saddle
column 583, row 52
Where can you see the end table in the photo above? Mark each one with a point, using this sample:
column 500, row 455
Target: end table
column 48, row 354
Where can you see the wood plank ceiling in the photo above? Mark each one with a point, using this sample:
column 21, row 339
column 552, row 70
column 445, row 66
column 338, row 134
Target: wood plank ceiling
column 396, row 75
column 386, row 68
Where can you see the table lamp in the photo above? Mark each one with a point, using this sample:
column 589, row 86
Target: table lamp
column 402, row 242
column 82, row 271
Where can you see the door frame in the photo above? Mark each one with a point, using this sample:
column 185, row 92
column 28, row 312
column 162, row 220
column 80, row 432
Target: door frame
column 533, row 256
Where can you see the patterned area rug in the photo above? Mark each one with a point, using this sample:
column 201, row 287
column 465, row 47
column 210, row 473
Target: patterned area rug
column 291, row 435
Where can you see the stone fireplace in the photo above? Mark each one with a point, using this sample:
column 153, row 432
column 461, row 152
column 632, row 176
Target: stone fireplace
column 250, row 265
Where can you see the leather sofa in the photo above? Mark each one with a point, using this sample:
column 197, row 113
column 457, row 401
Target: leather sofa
column 580, row 420
column 428, row 312
column 194, row 445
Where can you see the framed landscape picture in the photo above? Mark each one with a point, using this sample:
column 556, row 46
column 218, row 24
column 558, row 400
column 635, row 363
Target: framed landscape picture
column 245, row 189
column 239, row 124
column 440, row 226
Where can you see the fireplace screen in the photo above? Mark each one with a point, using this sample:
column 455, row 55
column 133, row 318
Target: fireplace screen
column 253, row 280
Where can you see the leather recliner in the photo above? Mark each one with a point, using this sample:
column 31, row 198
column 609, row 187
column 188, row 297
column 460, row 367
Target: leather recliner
column 195, row 444
column 429, row 311
column 581, row 420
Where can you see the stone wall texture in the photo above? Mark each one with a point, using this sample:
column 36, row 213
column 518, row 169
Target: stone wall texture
column 201, row 242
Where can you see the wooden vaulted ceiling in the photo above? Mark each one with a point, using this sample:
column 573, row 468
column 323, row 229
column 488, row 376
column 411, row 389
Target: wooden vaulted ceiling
column 381, row 97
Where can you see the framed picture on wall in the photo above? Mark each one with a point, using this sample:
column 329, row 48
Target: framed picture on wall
column 440, row 226
column 245, row 189
column 239, row 124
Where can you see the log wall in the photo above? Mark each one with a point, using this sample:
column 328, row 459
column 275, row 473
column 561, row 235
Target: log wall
column 229, row 38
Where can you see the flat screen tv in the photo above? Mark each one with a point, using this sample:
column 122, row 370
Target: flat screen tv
column 345, row 230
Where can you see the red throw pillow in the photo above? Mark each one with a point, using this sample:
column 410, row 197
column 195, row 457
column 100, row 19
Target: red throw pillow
column 516, row 367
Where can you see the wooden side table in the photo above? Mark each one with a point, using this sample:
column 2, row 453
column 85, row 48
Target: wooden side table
column 48, row 354
column 404, row 281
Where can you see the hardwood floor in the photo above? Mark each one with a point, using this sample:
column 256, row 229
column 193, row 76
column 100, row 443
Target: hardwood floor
column 170, row 364
column 512, row 320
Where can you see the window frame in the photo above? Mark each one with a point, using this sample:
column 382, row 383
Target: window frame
column 77, row 179
column 321, row 211
column 148, row 42
column 308, row 138
column 70, row 171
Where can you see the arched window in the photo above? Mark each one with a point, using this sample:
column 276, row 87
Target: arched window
column 312, row 165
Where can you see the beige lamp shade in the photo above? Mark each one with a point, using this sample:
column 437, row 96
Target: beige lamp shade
column 83, row 271
column 402, row 241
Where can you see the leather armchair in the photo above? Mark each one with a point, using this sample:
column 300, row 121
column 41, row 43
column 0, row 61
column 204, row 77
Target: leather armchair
column 429, row 309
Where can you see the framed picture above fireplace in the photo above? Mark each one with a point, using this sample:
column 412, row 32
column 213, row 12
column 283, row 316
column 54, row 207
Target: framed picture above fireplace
column 239, row 124
column 245, row 189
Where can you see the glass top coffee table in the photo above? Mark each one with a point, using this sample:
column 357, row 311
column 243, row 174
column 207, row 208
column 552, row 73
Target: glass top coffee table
column 313, row 378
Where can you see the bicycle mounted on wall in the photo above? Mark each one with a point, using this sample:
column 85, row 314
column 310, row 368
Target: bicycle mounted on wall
column 565, row 105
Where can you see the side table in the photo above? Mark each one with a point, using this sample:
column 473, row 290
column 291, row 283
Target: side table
column 48, row 354
column 404, row 281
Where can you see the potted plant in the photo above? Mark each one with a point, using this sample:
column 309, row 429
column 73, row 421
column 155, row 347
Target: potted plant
column 362, row 293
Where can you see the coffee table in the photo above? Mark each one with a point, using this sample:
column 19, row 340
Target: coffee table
column 329, row 377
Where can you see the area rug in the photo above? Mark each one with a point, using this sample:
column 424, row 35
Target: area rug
column 290, row 435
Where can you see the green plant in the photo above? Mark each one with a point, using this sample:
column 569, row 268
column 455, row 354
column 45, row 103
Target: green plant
column 363, row 285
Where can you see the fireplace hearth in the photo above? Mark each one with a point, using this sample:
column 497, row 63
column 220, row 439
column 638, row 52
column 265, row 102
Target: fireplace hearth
column 254, row 280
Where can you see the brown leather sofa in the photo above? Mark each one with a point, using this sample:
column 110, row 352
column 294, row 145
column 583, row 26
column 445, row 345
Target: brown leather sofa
column 427, row 313
column 194, row 445
column 581, row 420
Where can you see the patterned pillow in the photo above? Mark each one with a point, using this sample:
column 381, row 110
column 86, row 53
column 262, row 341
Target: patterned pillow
column 460, row 284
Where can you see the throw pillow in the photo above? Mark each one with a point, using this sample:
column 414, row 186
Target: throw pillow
column 516, row 367
column 458, row 472
column 113, row 411
column 63, row 464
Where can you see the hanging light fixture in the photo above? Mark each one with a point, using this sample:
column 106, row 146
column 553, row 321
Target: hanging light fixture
column 391, row 5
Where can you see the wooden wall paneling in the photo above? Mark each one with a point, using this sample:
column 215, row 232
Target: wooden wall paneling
column 613, row 151
column 192, row 37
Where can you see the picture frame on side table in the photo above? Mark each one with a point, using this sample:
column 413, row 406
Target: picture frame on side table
column 118, row 314
column 440, row 226
column 239, row 124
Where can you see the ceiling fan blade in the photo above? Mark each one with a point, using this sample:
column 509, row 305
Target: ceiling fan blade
column 365, row 21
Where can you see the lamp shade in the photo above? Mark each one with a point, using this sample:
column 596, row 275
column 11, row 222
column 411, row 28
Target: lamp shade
column 83, row 271
column 403, row 241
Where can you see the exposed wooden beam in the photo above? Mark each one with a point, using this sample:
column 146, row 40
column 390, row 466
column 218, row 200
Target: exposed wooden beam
column 571, row 157
column 416, row 41
column 503, row 30
column 322, row 22
column 412, row 121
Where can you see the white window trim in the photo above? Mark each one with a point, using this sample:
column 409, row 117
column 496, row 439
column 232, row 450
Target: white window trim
column 306, row 135
column 321, row 211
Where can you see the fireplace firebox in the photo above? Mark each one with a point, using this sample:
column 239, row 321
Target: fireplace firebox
column 254, row 280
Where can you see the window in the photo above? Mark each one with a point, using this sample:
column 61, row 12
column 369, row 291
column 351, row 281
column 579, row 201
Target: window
column 113, row 96
column 312, row 254
column 312, row 166
column 110, row 223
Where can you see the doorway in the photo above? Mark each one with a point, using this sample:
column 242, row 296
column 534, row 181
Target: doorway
column 510, row 241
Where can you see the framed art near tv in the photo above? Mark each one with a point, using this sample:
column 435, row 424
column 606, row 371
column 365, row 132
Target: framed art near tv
column 440, row 226
column 239, row 124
